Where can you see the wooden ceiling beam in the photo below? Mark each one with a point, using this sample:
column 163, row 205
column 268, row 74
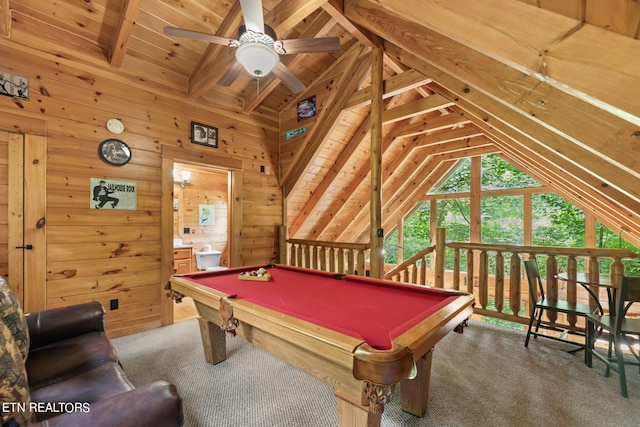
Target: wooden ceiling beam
column 354, row 71
column 412, row 188
column 359, row 174
column 587, row 136
column 216, row 58
column 401, row 207
column 287, row 14
column 426, row 105
column 335, row 8
column 557, row 50
column 395, row 85
column 400, row 68
column 124, row 29
column 445, row 137
column 572, row 183
column 359, row 137
column 432, row 124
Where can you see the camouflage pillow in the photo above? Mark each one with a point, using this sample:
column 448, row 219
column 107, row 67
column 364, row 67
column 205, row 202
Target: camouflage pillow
column 14, row 388
column 14, row 318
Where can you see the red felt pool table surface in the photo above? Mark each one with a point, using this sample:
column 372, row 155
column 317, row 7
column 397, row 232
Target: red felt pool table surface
column 375, row 311
column 360, row 335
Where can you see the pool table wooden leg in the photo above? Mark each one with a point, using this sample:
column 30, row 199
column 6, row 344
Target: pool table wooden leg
column 352, row 413
column 415, row 392
column 214, row 341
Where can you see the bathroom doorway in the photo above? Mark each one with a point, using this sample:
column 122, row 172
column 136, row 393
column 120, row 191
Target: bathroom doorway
column 200, row 221
column 201, row 210
column 207, row 162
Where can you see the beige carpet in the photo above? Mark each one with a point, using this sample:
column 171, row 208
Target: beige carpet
column 483, row 377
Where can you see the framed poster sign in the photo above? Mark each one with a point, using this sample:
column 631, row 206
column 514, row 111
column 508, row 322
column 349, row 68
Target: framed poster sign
column 307, row 108
column 113, row 194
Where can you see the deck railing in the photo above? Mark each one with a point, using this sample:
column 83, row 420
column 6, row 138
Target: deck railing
column 343, row 258
column 493, row 273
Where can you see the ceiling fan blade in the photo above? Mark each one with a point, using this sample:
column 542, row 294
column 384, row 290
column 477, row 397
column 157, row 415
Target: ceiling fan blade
column 231, row 74
column 172, row 31
column 288, row 78
column 317, row 45
column 252, row 12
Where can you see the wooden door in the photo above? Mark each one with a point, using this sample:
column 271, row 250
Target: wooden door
column 22, row 217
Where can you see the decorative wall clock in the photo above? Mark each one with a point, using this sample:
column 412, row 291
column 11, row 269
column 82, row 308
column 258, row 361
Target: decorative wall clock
column 114, row 152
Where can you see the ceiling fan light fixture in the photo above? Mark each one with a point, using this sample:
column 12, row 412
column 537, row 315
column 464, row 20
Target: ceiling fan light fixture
column 257, row 58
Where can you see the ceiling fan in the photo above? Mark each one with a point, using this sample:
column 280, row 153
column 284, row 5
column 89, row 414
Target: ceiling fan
column 257, row 48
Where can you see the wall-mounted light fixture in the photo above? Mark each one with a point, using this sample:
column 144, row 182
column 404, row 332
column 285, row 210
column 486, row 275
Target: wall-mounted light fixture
column 183, row 178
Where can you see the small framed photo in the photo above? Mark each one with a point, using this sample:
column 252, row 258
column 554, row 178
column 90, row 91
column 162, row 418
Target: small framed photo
column 204, row 134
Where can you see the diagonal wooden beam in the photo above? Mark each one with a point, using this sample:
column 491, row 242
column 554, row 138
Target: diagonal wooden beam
column 395, row 85
column 566, row 182
column 415, row 186
column 400, row 68
column 216, row 58
column 591, row 63
column 347, row 191
column 576, row 185
column 359, row 137
column 589, row 137
column 335, row 8
column 430, row 124
column 401, row 205
column 416, row 108
column 390, row 115
column 355, row 70
column 287, row 14
column 124, row 29
column 354, row 143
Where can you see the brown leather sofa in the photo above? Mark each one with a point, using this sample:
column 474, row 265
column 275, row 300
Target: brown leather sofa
column 74, row 376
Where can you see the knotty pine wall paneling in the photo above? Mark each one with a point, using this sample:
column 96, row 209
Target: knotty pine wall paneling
column 104, row 254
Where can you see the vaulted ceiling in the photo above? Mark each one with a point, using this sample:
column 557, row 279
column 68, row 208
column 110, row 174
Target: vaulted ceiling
column 553, row 87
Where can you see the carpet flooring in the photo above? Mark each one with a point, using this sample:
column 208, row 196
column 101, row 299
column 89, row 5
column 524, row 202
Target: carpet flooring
column 483, row 377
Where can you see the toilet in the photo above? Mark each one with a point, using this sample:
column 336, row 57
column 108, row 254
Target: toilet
column 209, row 261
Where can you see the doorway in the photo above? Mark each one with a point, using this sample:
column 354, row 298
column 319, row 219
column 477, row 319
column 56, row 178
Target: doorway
column 200, row 221
column 204, row 162
column 200, row 210
column 22, row 217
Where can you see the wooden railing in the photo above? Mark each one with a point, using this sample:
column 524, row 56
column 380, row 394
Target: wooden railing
column 414, row 270
column 498, row 282
column 343, row 258
column 493, row 273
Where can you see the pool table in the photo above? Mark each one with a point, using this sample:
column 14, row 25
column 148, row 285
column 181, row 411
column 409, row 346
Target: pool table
column 360, row 335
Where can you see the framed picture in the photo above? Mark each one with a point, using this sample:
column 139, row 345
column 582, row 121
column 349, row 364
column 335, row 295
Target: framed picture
column 204, row 135
column 307, row 108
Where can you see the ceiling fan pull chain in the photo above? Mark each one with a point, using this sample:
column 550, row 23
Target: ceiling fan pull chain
column 258, row 87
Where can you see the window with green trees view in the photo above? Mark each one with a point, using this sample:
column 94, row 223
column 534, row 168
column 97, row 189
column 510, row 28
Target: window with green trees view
column 503, row 191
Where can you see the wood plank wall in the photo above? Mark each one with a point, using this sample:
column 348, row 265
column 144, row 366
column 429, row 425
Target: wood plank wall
column 99, row 255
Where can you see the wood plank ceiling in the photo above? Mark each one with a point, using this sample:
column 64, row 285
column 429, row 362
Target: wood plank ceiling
column 553, row 87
